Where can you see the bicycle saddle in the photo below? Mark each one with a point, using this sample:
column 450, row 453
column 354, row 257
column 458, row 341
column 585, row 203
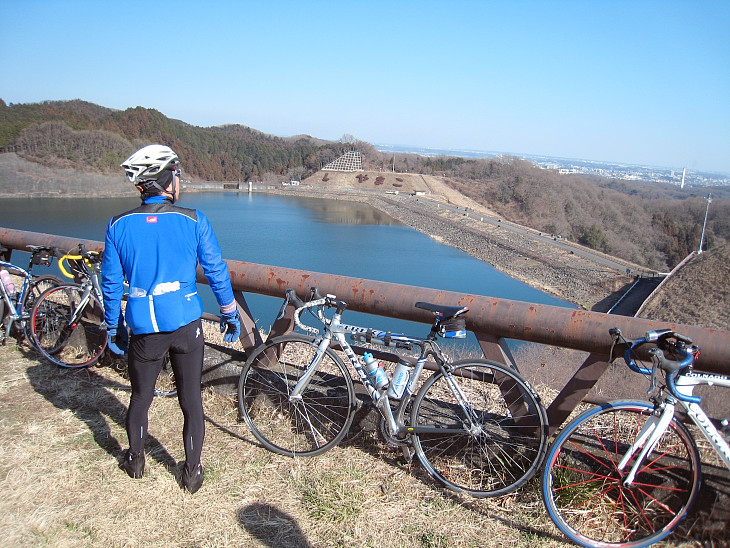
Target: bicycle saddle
column 443, row 311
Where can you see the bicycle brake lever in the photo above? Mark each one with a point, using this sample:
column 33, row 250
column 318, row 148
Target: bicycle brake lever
column 654, row 378
column 682, row 338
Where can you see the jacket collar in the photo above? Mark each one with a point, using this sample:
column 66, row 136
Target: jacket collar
column 158, row 199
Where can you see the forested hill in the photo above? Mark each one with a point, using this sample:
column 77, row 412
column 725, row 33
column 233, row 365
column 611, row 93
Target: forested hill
column 651, row 224
column 648, row 223
column 82, row 135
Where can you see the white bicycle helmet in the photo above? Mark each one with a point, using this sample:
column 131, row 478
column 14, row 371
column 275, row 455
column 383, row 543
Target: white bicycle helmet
column 149, row 163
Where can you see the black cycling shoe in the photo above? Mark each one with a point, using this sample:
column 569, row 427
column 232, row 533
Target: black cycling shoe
column 193, row 478
column 133, row 464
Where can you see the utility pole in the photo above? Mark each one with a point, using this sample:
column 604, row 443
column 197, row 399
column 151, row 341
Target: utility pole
column 704, row 225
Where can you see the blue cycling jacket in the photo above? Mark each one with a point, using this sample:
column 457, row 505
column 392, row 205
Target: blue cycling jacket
column 157, row 248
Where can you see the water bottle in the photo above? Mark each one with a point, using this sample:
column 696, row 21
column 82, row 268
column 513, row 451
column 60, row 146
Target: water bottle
column 8, row 283
column 401, row 375
column 375, row 371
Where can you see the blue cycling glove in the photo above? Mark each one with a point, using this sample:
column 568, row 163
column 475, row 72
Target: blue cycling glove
column 231, row 325
column 117, row 344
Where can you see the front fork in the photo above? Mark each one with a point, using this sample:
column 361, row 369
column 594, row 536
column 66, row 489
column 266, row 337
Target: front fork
column 647, row 440
column 296, row 393
column 79, row 308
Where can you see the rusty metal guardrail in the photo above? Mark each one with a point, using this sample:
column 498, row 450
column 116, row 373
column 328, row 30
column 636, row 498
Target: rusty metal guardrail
column 492, row 320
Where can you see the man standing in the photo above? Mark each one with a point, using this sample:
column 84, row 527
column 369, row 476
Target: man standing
column 156, row 248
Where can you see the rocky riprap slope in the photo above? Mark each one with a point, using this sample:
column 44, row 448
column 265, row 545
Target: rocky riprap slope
column 534, row 262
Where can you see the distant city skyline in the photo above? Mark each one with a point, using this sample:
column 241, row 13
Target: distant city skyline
column 630, row 81
column 476, row 153
column 615, row 170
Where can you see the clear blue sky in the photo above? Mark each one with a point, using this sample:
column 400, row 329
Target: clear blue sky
column 637, row 81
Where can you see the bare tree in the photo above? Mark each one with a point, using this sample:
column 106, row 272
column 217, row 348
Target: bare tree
column 296, row 173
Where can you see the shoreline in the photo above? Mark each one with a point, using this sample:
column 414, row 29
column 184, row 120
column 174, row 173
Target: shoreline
column 539, row 264
column 438, row 211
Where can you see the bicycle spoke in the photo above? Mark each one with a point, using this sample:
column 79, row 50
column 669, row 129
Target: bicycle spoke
column 585, row 493
column 63, row 333
column 309, row 425
column 484, row 448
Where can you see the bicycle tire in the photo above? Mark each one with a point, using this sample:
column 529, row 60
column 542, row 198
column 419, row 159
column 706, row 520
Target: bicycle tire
column 3, row 335
column 508, row 446
column 307, row 427
column 60, row 341
column 36, row 287
column 583, row 491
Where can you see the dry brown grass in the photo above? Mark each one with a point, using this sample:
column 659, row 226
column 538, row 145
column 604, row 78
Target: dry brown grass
column 63, row 435
column 698, row 294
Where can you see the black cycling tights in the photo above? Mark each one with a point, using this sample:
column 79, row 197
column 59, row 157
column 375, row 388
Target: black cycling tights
column 146, row 355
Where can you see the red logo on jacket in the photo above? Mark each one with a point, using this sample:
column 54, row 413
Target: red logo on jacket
column 152, row 219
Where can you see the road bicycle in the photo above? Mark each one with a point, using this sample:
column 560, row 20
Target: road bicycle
column 15, row 308
column 67, row 321
column 475, row 425
column 627, row 472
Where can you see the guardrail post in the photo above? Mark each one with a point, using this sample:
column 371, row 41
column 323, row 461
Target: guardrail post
column 250, row 337
column 496, row 349
column 584, row 379
column 284, row 322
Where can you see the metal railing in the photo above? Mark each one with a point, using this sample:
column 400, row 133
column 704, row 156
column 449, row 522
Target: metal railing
column 491, row 319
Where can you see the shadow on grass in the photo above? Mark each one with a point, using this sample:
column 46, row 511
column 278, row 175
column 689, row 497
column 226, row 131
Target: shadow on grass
column 271, row 526
column 90, row 397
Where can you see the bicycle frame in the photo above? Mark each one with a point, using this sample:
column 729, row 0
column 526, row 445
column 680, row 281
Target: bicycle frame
column 90, row 285
column 655, row 427
column 336, row 330
column 17, row 306
column 15, row 312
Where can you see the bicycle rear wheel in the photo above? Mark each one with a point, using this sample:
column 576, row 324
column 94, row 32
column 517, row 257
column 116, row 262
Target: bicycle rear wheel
column 488, row 444
column 37, row 286
column 62, row 341
column 307, row 426
column 583, row 489
column 165, row 386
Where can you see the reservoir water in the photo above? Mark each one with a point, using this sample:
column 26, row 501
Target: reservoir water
column 335, row 237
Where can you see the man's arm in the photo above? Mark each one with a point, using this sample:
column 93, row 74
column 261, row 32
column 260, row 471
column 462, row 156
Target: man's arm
column 112, row 280
column 215, row 268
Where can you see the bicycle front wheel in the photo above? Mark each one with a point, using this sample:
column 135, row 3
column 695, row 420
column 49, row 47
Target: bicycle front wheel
column 481, row 429
column 583, row 488
column 61, row 339
column 309, row 424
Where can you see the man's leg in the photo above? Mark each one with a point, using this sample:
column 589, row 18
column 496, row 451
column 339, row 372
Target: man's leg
column 186, row 358
column 145, row 363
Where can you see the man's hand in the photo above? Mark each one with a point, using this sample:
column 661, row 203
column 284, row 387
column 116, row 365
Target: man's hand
column 118, row 344
column 231, row 325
